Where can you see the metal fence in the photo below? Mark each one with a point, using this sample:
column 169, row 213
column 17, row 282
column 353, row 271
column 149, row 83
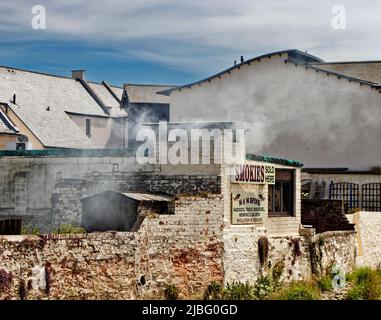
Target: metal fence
column 371, row 196
column 346, row 191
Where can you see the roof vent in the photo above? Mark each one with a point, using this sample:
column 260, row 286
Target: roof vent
column 78, row 74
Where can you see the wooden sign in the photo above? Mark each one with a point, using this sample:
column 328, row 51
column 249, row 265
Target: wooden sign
column 253, row 174
column 247, row 208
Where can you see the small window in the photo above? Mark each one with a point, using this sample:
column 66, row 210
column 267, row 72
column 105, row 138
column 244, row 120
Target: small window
column 281, row 194
column 20, row 146
column 88, row 127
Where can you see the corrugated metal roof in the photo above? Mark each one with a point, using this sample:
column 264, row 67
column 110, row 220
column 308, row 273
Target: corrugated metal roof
column 146, row 196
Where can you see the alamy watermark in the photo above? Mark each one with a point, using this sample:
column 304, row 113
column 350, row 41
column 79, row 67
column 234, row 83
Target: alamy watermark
column 182, row 146
column 39, row 17
column 338, row 278
column 339, row 20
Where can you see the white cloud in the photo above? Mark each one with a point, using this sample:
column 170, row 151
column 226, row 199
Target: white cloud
column 203, row 35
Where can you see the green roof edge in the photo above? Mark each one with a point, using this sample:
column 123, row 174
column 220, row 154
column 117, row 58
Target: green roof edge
column 62, row 152
column 59, row 152
column 270, row 159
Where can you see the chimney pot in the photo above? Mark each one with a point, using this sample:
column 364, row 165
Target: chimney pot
column 78, row 74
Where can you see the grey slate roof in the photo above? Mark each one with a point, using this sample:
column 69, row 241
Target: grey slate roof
column 146, row 93
column 364, row 70
column 108, row 99
column 35, row 92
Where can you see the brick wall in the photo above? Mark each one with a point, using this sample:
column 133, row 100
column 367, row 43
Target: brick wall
column 325, row 215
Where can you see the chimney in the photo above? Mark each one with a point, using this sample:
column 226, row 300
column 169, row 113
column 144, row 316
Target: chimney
column 78, row 74
column 242, row 60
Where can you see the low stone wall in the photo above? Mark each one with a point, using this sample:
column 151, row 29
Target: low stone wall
column 295, row 257
column 333, row 248
column 183, row 249
column 368, row 239
column 189, row 249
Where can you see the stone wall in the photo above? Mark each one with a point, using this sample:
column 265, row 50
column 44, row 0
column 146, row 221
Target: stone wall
column 189, row 249
column 46, row 191
column 368, row 238
column 296, row 257
column 325, row 215
column 242, row 262
column 183, row 249
column 333, row 248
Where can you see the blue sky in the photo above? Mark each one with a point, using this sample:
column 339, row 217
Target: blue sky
column 177, row 41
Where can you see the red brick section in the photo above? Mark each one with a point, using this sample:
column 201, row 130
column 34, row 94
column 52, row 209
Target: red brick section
column 325, row 215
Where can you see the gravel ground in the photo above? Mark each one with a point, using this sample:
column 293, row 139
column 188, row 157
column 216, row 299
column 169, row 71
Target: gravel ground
column 337, row 294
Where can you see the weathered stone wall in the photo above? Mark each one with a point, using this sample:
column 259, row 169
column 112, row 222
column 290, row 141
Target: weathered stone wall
column 188, row 249
column 47, row 191
column 368, row 238
column 325, row 215
column 333, row 248
column 295, row 257
column 184, row 249
column 242, row 262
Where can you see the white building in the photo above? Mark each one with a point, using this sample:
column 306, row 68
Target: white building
column 298, row 106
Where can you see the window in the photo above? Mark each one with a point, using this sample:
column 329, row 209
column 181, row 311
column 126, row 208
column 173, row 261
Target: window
column 20, row 146
column 281, row 194
column 88, row 127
